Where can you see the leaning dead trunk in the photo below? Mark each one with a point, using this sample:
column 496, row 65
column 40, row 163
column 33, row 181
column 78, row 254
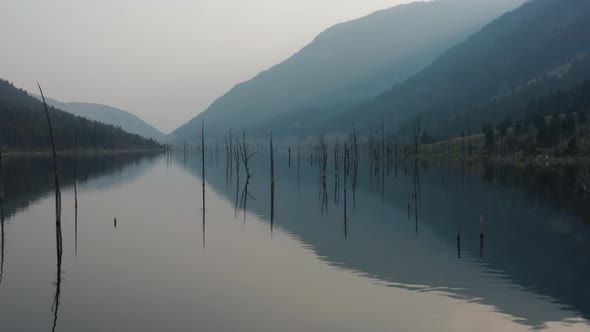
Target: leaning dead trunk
column 58, row 233
column 54, row 154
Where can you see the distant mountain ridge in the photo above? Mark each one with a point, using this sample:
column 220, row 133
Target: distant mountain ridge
column 109, row 115
column 542, row 46
column 23, row 128
column 350, row 62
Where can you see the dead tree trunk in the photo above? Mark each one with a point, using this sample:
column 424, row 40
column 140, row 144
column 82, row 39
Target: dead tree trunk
column 227, row 162
column 1, row 217
column 1, row 188
column 345, row 175
column 75, row 187
column 58, row 233
column 272, row 184
column 230, row 154
column 382, row 139
column 203, row 161
column 203, row 173
column 356, row 151
column 56, row 178
column 417, row 136
column 75, row 211
column 298, row 164
column 244, row 154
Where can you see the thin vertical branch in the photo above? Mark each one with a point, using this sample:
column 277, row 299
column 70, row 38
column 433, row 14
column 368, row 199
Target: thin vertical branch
column 481, row 234
column 459, row 241
column 244, row 154
column 1, row 186
column 230, row 154
column 75, row 187
column 272, row 185
column 203, row 173
column 298, row 164
column 75, row 211
column 227, row 162
column 382, row 139
column 1, row 216
column 345, row 175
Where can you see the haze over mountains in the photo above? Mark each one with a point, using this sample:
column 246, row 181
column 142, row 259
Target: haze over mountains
column 109, row 115
column 347, row 64
column 527, row 53
column 456, row 64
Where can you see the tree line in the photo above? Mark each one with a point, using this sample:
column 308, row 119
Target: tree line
column 23, row 127
column 557, row 124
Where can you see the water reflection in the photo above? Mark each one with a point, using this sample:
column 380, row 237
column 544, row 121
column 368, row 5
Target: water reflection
column 535, row 236
column 27, row 179
column 244, row 198
column 59, row 255
column 1, row 242
column 532, row 274
column 30, row 178
column 1, row 215
column 75, row 211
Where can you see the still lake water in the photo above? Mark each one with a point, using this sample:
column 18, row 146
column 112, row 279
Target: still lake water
column 388, row 267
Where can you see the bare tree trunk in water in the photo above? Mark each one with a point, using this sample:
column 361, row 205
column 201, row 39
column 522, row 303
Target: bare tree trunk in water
column 272, row 185
column 203, row 173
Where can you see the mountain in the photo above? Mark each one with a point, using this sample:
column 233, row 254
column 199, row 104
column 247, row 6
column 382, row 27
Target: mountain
column 23, row 127
column 350, row 62
column 109, row 115
column 542, row 46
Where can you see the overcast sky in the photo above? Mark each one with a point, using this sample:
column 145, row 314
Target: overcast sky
column 165, row 61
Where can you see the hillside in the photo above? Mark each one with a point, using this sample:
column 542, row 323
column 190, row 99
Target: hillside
column 555, row 125
column 23, row 127
column 350, row 62
column 541, row 46
column 109, row 115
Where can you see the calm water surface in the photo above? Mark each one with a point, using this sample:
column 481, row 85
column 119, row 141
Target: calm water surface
column 391, row 265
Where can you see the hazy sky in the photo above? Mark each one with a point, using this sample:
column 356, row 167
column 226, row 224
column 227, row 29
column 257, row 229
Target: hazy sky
column 164, row 60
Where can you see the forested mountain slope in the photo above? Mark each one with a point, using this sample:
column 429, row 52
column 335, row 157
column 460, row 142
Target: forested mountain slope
column 541, row 46
column 349, row 63
column 109, row 115
column 23, row 127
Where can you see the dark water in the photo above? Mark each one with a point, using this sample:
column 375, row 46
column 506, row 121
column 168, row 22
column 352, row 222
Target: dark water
column 391, row 265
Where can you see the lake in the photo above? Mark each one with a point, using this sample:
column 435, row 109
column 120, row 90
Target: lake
column 451, row 247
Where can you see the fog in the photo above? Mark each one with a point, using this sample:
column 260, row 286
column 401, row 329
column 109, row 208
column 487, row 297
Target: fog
column 165, row 61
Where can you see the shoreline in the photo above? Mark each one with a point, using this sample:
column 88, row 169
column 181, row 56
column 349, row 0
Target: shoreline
column 16, row 154
column 536, row 161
